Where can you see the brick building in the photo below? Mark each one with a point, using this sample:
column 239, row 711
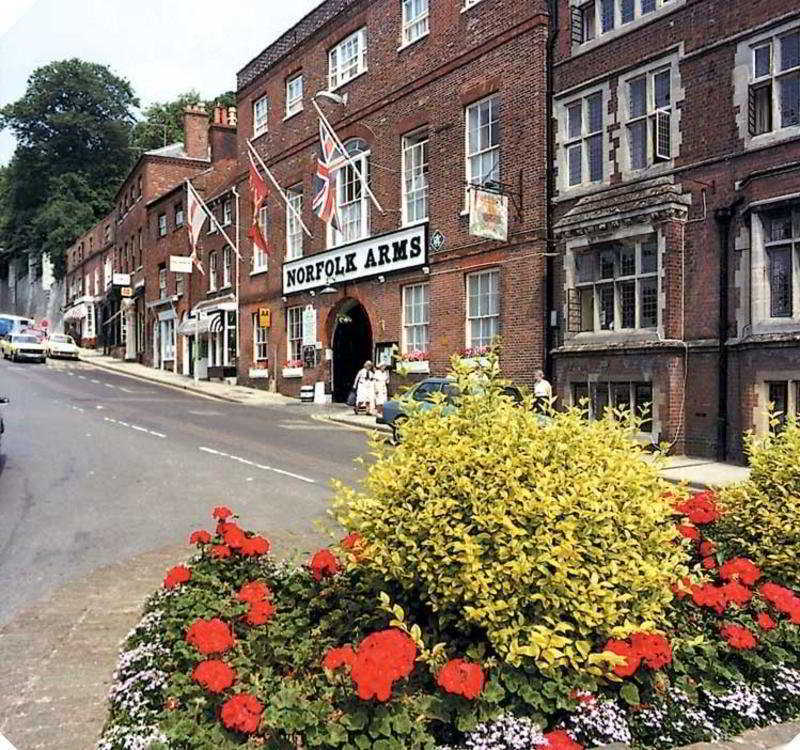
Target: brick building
column 438, row 94
column 676, row 212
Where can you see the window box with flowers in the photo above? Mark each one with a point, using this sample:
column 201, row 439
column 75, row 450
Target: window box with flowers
column 475, row 356
column 292, row 368
column 414, row 362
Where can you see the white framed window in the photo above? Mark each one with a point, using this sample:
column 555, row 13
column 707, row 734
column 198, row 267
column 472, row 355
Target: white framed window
column 617, row 286
column 179, row 284
column 227, row 212
column 483, row 141
column 212, row 272
column 226, row 267
column 781, row 232
column 162, row 282
column 260, row 115
column 415, row 20
column 649, row 118
column 162, row 225
column 294, row 333
column 584, row 141
column 294, row 231
column 260, row 341
column 352, row 200
column 416, row 318
column 483, row 308
column 294, row 95
column 597, row 17
column 415, row 177
column 260, row 257
column 774, row 92
column 633, row 396
column 347, row 59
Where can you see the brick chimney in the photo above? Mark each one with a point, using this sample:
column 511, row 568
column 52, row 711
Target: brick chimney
column 222, row 134
column 195, row 132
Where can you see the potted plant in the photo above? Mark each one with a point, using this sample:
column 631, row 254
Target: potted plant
column 416, row 361
column 292, row 368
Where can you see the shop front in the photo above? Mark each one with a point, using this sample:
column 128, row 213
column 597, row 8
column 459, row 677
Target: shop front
column 209, row 339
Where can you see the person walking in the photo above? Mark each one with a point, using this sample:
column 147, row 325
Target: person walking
column 364, row 386
column 381, row 387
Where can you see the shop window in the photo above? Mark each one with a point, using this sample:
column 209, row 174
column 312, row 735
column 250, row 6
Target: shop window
column 294, row 333
column 483, row 309
column 415, row 20
column 416, row 318
column 294, row 230
column 231, row 350
column 415, row 178
column 347, row 59
column 260, row 341
column 616, row 287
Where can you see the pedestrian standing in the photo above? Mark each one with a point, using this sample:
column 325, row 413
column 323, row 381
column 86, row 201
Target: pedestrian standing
column 364, row 386
column 542, row 392
column 381, row 386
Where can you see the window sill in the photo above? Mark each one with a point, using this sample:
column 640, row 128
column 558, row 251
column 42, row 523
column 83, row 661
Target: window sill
column 224, row 287
column 259, row 133
column 293, row 114
column 764, row 140
column 258, row 271
column 349, row 80
column 465, row 8
column 406, row 45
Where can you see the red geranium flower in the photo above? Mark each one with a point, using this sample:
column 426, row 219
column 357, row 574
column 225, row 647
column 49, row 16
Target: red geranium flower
column 737, row 593
column 710, row 596
column 209, row 636
column 623, row 648
column 701, row 508
column 783, row 599
column 259, row 613
column 690, row 532
column 176, row 576
column 224, row 526
column 234, row 537
column 220, row 551
column 352, row 541
column 560, row 740
column 222, row 512
column 338, row 657
column 380, row 660
column 200, row 537
column 765, row 621
column 653, row 649
column 707, row 548
column 254, row 546
column 461, row 678
column 214, row 675
column 255, row 591
column 324, row 565
column 242, row 713
column 739, row 637
column 683, row 588
column 709, row 563
column 742, row 569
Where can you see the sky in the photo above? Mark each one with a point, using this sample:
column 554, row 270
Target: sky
column 163, row 47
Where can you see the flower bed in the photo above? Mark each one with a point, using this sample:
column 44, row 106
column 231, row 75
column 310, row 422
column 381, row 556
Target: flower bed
column 347, row 651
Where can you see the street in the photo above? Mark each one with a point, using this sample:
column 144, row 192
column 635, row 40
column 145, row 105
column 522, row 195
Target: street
column 96, row 468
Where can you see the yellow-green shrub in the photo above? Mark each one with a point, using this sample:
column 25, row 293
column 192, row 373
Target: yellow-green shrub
column 762, row 516
column 551, row 537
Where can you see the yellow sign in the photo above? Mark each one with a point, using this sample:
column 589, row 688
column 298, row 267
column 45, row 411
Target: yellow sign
column 263, row 317
column 126, row 291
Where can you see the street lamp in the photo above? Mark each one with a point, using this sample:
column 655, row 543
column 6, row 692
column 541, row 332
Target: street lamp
column 328, row 288
column 337, row 98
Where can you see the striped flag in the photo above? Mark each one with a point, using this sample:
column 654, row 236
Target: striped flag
column 331, row 160
column 197, row 217
column 259, row 192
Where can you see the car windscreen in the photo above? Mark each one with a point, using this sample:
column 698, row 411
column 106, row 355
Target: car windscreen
column 61, row 339
column 25, row 340
column 423, row 391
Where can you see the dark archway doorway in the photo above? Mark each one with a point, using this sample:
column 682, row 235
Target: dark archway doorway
column 352, row 346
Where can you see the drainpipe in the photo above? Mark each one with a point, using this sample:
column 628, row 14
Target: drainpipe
column 724, row 217
column 549, row 293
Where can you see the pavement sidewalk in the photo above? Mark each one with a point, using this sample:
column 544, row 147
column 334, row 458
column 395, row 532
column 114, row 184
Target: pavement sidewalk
column 218, row 390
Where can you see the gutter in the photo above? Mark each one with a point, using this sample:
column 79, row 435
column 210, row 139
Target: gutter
column 549, row 293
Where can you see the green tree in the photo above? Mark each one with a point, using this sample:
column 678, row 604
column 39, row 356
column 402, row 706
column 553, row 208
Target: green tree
column 162, row 122
column 73, row 129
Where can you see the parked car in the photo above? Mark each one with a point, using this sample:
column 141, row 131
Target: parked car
column 21, row 346
column 395, row 411
column 61, row 345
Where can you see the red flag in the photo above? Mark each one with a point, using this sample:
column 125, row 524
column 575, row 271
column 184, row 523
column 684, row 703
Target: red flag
column 259, row 192
column 197, row 217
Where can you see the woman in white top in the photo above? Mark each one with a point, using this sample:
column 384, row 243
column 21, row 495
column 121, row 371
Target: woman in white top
column 365, row 389
column 381, row 386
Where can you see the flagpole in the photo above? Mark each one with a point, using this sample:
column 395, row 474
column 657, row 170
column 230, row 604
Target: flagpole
column 346, row 155
column 278, row 188
column 213, row 219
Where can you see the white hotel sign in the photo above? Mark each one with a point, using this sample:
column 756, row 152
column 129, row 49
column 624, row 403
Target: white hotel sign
column 397, row 251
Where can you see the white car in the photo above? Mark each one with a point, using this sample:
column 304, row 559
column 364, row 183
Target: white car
column 61, row 345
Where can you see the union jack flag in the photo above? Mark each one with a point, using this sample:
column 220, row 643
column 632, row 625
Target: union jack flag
column 331, row 160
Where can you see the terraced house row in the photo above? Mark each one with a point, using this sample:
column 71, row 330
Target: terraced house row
column 611, row 189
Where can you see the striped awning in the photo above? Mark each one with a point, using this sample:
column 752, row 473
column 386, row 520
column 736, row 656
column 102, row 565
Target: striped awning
column 217, row 323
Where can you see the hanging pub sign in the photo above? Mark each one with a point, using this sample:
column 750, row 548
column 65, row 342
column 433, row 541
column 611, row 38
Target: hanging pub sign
column 264, row 317
column 488, row 215
column 373, row 256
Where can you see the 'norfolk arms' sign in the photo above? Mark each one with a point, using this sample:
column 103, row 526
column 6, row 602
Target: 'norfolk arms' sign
column 384, row 254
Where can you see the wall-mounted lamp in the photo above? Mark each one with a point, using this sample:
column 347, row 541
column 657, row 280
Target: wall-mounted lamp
column 328, row 288
column 381, row 279
column 426, row 270
column 283, row 299
column 338, row 99
column 313, row 293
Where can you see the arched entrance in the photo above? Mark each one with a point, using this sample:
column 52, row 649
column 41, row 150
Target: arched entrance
column 352, row 346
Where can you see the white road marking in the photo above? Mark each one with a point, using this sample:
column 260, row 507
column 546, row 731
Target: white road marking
column 157, row 434
column 127, row 390
column 82, row 377
column 134, row 427
column 108, row 385
column 140, row 429
column 95, row 380
column 257, row 466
